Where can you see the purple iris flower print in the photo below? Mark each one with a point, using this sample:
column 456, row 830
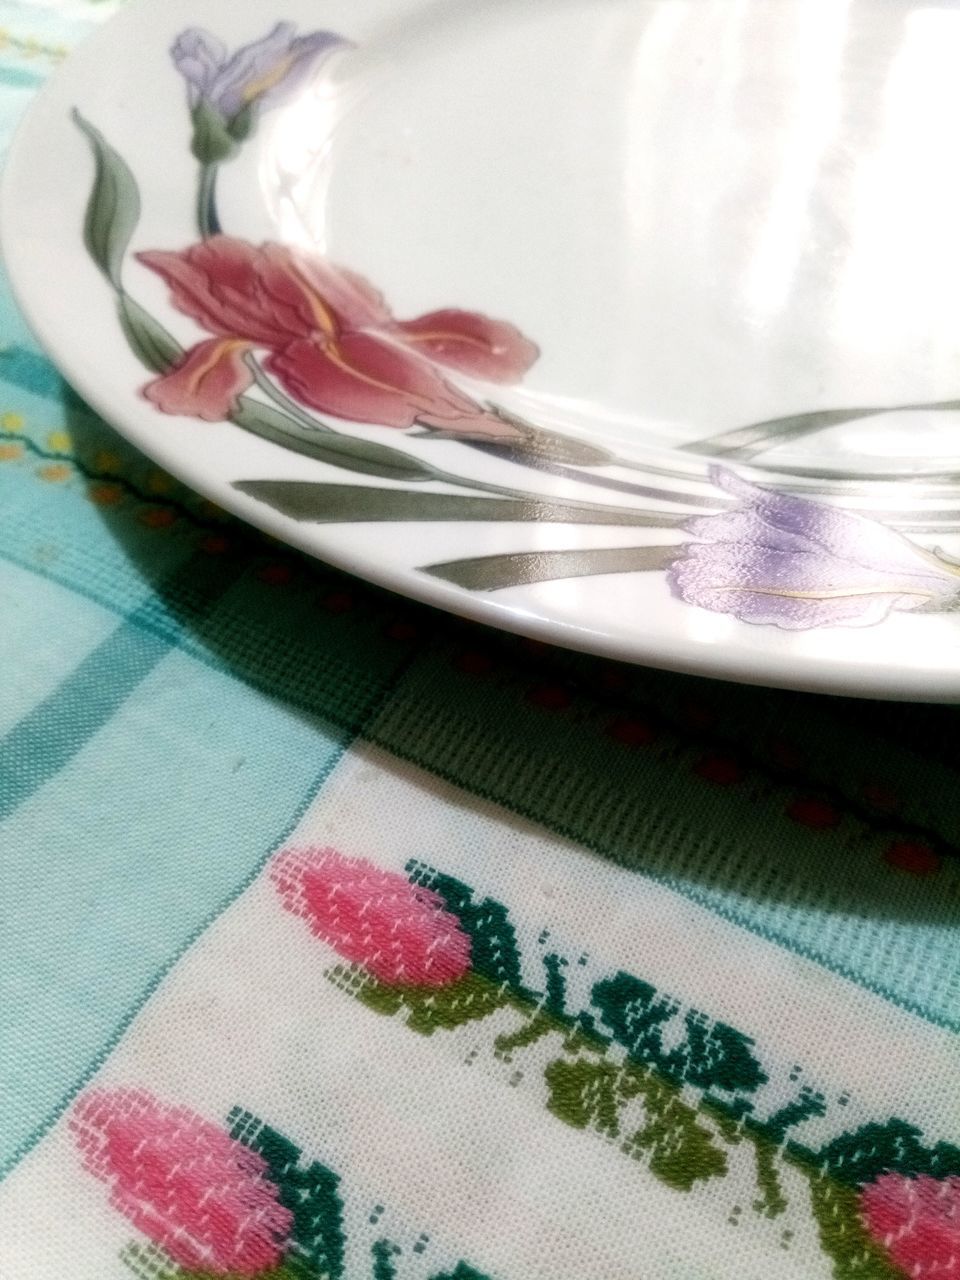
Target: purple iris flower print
column 794, row 563
column 254, row 78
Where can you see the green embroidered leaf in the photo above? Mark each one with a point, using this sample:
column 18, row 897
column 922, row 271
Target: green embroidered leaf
column 712, row 1055
column 366, row 457
column 944, row 1160
column 311, row 1194
column 336, row 503
column 717, row 1056
column 493, row 940
column 377, row 996
column 860, row 1157
column 532, row 1029
column 148, row 339
column 492, row 573
column 556, row 1001
column 113, row 208
column 149, row 1262
column 292, row 1268
column 681, row 1150
column 807, row 1103
column 462, row 1272
column 444, row 1008
column 635, row 1013
column 589, row 1095
column 428, row 1009
column 383, row 1253
column 772, row 1201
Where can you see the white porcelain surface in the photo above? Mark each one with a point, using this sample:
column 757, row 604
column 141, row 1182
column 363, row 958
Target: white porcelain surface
column 704, row 215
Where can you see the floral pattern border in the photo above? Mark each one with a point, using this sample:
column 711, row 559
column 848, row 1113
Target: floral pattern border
column 684, row 1095
column 688, row 1098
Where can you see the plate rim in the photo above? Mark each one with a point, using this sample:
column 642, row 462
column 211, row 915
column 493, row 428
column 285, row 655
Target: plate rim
column 768, row 666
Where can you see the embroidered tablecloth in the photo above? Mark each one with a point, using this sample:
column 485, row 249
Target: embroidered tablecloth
column 340, row 939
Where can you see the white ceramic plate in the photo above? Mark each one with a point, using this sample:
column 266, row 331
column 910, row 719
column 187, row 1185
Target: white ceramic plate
column 632, row 325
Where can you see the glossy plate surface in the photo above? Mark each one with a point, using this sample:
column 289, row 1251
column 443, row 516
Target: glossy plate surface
column 631, row 326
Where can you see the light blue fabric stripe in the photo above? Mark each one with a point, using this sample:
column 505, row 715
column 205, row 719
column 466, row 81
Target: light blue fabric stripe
column 43, row 742
column 151, row 831
column 20, row 77
column 164, row 810
column 39, row 667
column 912, row 966
column 46, row 739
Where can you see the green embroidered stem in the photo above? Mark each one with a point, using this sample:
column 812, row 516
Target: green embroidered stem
column 428, row 1009
column 149, row 1262
column 772, row 1201
column 856, row 1255
column 582, row 1039
column 383, row 1254
column 533, row 1029
column 805, row 1106
column 556, row 1002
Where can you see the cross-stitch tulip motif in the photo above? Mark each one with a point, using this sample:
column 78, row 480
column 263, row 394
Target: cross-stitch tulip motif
column 917, row 1221
column 189, row 1187
column 399, row 932
column 234, row 1202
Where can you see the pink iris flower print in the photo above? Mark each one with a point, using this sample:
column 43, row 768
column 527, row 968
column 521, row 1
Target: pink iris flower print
column 400, row 933
column 329, row 340
column 917, row 1221
column 203, row 1197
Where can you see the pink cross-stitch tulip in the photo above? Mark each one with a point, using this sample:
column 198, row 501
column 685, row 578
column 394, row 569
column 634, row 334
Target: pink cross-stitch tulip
column 399, row 932
column 204, row 1198
column 917, row 1221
